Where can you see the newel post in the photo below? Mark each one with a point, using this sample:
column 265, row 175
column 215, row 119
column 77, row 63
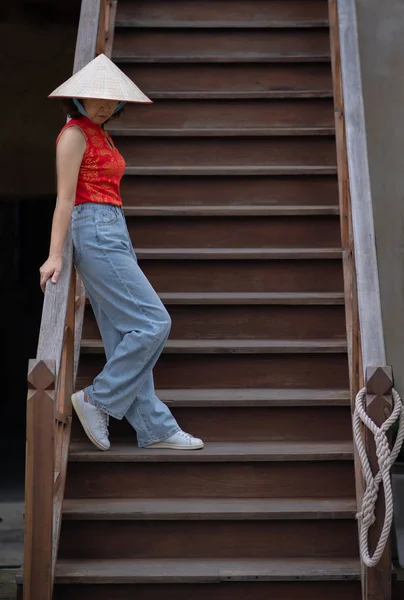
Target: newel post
column 379, row 405
column 39, row 480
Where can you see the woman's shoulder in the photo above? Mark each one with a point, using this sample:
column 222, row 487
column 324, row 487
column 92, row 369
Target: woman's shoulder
column 72, row 130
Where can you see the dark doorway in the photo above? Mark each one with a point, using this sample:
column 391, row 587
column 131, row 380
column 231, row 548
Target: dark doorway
column 38, row 41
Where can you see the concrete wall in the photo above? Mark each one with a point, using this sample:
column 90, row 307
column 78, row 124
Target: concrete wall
column 381, row 30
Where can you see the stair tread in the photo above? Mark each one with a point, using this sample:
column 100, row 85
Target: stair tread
column 245, row 346
column 224, row 14
column 237, row 253
column 206, row 508
column 205, row 570
column 255, row 397
column 217, row 452
column 256, row 345
column 123, row 22
column 240, row 95
column 219, row 131
column 232, row 170
column 252, row 298
column 242, row 57
column 229, row 210
column 130, row 21
column 277, row 298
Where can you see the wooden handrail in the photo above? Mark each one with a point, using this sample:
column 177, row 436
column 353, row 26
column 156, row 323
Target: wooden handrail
column 367, row 277
column 52, row 374
column 366, row 350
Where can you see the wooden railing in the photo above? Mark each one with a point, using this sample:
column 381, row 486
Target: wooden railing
column 51, row 375
column 366, row 350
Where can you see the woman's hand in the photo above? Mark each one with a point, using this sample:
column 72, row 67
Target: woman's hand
column 51, row 268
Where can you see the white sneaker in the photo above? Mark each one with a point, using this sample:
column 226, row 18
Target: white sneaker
column 179, row 441
column 93, row 420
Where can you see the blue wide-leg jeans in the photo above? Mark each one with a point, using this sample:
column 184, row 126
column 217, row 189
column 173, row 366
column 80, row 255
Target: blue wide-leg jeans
column 133, row 322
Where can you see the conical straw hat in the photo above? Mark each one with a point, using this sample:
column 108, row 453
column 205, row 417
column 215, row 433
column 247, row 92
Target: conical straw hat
column 101, row 79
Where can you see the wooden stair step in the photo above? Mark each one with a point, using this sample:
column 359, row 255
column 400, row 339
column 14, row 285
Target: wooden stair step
column 239, row 95
column 206, row 571
column 263, row 153
column 256, row 155
column 239, row 170
column 258, row 45
column 237, row 253
column 312, row 272
column 247, row 298
column 275, row 57
column 231, row 191
column 249, row 417
column 222, row 14
column 215, row 539
column 224, row 369
column 322, row 369
column 252, row 298
column 126, row 21
column 256, row 346
column 218, row 452
column 229, row 232
column 117, row 509
column 221, row 132
column 163, row 473
column 232, row 80
column 228, row 118
column 247, row 322
column 254, row 397
column 238, row 211
column 239, row 346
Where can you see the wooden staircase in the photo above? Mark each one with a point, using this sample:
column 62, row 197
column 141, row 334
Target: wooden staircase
column 231, row 199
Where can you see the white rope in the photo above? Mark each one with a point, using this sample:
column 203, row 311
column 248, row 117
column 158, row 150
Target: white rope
column 385, row 458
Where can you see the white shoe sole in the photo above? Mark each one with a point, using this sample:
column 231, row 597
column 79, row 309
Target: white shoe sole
column 82, row 419
column 169, row 446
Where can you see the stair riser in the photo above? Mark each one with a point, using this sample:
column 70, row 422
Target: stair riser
column 208, row 539
column 211, row 480
column 235, row 232
column 258, row 13
column 226, row 152
column 176, row 45
column 230, row 191
column 251, row 424
column 322, row 275
column 340, row 590
column 247, row 322
column 232, row 79
column 235, row 114
column 232, row 371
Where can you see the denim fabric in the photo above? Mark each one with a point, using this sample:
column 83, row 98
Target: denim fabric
column 133, row 322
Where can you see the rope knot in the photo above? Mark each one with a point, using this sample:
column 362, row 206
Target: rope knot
column 382, row 450
column 366, row 516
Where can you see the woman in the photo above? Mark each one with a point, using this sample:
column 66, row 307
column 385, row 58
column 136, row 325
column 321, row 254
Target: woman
column 133, row 322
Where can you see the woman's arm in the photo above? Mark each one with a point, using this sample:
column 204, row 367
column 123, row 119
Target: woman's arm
column 69, row 154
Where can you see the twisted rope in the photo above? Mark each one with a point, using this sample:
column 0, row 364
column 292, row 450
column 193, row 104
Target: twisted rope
column 385, row 459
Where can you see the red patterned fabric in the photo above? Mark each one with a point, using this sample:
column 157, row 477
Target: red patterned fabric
column 102, row 166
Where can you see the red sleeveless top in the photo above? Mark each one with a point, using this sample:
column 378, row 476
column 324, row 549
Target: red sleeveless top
column 102, row 166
